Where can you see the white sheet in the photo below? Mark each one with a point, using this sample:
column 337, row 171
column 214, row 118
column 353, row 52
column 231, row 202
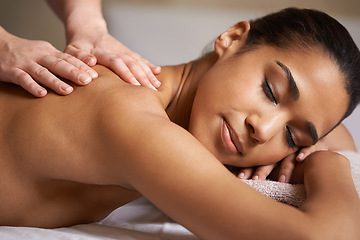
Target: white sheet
column 136, row 220
column 142, row 220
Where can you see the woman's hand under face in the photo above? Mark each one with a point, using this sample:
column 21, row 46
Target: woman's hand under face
column 283, row 171
column 280, row 171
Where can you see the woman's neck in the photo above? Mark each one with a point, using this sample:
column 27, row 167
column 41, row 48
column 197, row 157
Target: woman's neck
column 185, row 79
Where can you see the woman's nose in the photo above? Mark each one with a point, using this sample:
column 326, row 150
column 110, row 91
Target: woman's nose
column 264, row 128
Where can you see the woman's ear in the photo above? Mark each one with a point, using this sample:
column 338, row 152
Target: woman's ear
column 234, row 37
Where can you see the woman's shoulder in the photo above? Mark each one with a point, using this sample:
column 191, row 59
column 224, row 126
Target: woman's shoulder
column 117, row 97
column 113, row 88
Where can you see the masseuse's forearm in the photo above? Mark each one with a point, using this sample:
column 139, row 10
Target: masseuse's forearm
column 80, row 16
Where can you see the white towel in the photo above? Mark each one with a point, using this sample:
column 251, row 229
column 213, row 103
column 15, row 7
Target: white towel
column 294, row 194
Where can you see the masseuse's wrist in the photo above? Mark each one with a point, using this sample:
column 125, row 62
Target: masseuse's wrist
column 6, row 37
column 84, row 18
column 78, row 26
column 3, row 34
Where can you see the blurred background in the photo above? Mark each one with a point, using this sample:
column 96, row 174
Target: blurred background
column 172, row 31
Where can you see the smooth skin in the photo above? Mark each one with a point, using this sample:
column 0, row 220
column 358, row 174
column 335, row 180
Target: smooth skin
column 61, row 153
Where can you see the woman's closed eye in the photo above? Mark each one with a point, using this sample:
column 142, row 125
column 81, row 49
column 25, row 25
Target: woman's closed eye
column 290, row 138
column 268, row 92
column 270, row 95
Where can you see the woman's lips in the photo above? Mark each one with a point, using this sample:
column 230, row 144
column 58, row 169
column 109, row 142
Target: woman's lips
column 230, row 139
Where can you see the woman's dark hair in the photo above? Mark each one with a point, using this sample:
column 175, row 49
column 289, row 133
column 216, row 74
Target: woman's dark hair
column 294, row 27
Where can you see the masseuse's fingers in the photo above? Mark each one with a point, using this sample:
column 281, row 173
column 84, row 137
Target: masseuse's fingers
column 100, row 47
column 68, row 67
column 83, row 55
column 131, row 70
column 33, row 65
column 38, row 74
column 24, row 80
column 142, row 70
column 287, row 166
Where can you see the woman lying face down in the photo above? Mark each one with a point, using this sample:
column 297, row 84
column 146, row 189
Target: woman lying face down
column 264, row 99
column 254, row 100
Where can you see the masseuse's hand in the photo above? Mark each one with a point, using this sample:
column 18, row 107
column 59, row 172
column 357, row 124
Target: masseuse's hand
column 286, row 167
column 35, row 65
column 100, row 47
column 88, row 39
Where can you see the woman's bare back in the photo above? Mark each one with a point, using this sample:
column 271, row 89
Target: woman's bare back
column 50, row 152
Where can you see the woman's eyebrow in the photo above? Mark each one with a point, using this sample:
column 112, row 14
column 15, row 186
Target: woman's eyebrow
column 312, row 132
column 293, row 89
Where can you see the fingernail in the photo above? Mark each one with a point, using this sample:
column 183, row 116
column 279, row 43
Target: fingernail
column 301, row 156
column 42, row 92
column 89, row 61
column 282, row 178
column 158, row 70
column 136, row 83
column 241, row 175
column 256, row 177
column 66, row 88
column 152, row 87
column 93, row 74
column 157, row 83
column 85, row 79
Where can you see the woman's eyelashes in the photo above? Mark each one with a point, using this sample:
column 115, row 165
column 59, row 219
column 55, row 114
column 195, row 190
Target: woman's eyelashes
column 290, row 138
column 268, row 92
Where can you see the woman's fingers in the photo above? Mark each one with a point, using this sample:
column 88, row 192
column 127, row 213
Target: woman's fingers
column 262, row 172
column 256, row 173
column 287, row 166
column 245, row 173
column 286, row 169
column 305, row 152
